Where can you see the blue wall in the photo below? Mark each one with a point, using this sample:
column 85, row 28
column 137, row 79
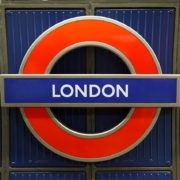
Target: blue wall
column 157, row 27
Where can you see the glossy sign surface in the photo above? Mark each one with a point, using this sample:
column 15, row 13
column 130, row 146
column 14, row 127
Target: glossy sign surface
column 59, row 91
column 85, row 31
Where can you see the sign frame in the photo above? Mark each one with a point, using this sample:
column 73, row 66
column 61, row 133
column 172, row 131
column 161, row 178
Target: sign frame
column 95, row 76
column 111, row 143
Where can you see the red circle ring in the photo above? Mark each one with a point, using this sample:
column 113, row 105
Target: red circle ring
column 88, row 30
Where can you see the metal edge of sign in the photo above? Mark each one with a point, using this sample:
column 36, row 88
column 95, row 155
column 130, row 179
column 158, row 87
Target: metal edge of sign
column 155, row 61
column 88, row 105
column 79, row 76
column 83, row 76
column 177, row 91
column 2, row 91
column 96, row 44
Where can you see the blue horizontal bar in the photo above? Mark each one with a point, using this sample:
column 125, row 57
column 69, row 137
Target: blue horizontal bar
column 90, row 90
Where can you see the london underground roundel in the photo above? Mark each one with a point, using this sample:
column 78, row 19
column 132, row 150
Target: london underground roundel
column 86, row 31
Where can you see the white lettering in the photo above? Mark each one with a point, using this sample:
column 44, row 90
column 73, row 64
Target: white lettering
column 94, row 87
column 104, row 90
column 80, row 90
column 54, row 92
column 120, row 90
column 70, row 89
column 90, row 91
